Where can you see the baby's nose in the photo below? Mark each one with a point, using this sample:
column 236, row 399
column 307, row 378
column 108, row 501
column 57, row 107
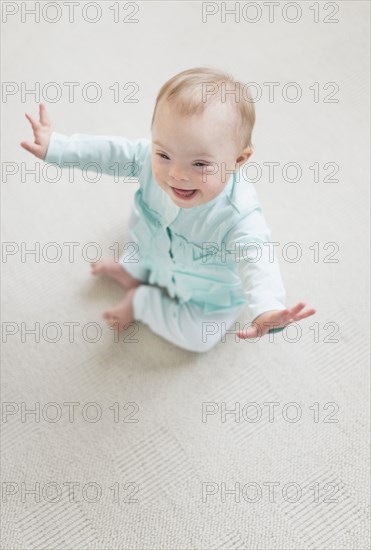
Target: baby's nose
column 178, row 175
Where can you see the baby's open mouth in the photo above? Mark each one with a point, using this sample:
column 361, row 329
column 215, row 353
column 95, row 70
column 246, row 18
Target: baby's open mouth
column 184, row 193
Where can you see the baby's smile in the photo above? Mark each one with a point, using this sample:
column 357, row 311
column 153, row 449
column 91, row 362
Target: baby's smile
column 184, row 194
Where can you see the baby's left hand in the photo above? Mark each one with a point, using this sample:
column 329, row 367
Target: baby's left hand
column 277, row 319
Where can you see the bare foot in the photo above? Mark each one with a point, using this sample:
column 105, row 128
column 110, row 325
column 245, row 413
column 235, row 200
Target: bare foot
column 123, row 314
column 113, row 269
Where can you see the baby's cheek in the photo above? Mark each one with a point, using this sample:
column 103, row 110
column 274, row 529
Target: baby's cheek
column 208, row 185
column 156, row 173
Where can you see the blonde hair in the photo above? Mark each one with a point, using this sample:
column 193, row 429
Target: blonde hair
column 187, row 91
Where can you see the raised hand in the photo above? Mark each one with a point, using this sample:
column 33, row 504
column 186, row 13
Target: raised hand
column 277, row 319
column 42, row 131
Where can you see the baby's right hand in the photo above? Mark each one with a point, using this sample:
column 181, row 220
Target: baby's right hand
column 42, row 131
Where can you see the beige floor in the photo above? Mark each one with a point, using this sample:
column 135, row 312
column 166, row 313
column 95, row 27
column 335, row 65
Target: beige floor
column 170, row 453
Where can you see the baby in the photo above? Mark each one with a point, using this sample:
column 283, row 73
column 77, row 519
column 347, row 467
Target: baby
column 197, row 226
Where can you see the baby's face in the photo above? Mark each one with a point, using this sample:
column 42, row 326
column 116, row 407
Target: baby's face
column 194, row 153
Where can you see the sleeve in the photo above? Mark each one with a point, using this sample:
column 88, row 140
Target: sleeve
column 249, row 244
column 114, row 155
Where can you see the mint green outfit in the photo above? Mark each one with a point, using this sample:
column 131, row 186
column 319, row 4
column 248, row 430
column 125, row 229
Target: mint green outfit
column 202, row 267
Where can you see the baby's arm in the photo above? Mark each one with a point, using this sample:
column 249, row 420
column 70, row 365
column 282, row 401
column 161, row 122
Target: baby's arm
column 257, row 266
column 261, row 277
column 111, row 155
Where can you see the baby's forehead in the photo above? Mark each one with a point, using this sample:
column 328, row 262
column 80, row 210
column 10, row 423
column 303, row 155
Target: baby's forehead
column 218, row 116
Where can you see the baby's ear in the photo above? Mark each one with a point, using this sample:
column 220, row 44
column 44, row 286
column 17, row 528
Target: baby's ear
column 244, row 157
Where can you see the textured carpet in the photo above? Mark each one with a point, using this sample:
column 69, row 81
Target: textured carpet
column 149, row 438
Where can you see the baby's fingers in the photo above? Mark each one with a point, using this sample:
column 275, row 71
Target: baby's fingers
column 44, row 117
column 305, row 314
column 35, row 125
column 33, row 148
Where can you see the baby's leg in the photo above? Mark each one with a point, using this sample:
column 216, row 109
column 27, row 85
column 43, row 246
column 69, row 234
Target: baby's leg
column 129, row 270
column 122, row 314
column 185, row 325
column 116, row 271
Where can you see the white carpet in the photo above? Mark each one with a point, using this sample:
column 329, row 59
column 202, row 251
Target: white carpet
column 170, row 454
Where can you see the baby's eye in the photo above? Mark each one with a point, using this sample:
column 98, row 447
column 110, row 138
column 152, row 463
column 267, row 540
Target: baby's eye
column 162, row 155
column 200, row 164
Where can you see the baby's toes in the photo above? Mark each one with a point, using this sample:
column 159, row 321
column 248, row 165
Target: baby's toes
column 97, row 267
column 114, row 324
column 94, row 269
column 107, row 315
column 109, row 319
